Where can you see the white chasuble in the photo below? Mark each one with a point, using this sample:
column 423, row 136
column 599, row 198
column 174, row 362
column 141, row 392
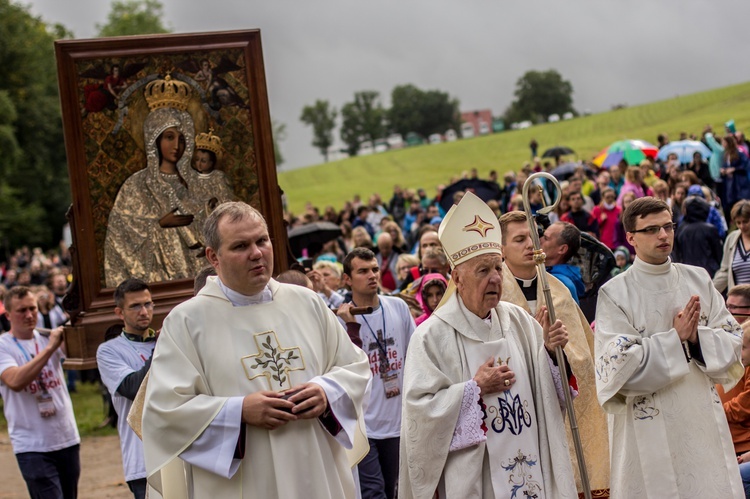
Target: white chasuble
column 525, row 453
column 210, row 351
column 668, row 431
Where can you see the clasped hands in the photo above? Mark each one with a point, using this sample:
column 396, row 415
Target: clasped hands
column 686, row 321
column 269, row 410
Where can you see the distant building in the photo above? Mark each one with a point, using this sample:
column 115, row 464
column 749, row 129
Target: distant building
column 480, row 121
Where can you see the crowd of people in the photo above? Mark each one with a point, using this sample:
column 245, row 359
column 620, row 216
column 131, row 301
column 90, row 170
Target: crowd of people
column 414, row 356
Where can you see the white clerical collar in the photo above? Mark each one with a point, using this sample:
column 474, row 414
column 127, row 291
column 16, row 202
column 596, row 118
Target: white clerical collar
column 240, row 300
column 650, row 268
column 526, row 283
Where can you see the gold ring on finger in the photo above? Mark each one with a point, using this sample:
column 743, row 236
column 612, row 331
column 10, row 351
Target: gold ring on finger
column 507, row 382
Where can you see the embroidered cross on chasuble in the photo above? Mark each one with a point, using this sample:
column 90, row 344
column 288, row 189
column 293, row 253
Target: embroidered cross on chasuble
column 273, row 362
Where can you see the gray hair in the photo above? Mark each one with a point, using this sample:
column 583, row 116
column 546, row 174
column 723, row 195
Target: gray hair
column 234, row 211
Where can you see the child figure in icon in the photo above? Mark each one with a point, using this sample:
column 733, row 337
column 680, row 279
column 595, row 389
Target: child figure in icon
column 211, row 188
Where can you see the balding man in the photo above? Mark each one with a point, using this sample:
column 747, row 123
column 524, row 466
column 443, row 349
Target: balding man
column 560, row 243
column 477, row 353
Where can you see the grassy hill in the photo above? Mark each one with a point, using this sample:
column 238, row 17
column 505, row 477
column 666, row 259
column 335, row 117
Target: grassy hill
column 429, row 165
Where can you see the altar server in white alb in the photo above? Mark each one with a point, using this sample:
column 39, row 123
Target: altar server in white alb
column 663, row 339
column 477, row 353
column 224, row 364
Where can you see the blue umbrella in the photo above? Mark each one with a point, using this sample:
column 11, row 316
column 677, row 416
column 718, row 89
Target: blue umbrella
column 684, row 150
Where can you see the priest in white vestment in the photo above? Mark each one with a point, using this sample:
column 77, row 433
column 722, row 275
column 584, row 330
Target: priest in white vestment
column 663, row 339
column 254, row 385
column 482, row 404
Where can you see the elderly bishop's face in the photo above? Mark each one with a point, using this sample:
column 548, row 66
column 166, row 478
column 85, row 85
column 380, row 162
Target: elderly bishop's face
column 479, row 282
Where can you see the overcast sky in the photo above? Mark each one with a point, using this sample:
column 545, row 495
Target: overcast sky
column 612, row 51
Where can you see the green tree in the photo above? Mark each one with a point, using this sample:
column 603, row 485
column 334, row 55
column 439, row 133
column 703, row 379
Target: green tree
column 538, row 95
column 279, row 134
column 134, row 17
column 363, row 119
column 414, row 110
column 322, row 117
column 34, row 185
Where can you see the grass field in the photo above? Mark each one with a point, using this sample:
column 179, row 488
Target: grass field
column 429, row 165
column 88, row 408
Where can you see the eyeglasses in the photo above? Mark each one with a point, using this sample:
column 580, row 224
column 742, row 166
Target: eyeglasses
column 653, row 230
column 136, row 307
column 732, row 308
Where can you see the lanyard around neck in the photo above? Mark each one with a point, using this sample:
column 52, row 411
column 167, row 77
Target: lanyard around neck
column 383, row 346
column 26, row 354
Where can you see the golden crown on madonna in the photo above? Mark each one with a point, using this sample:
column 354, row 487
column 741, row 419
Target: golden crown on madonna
column 167, row 92
column 208, row 142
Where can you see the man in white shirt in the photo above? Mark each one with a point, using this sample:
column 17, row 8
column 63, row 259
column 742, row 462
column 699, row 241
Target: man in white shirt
column 385, row 335
column 663, row 339
column 123, row 363
column 254, row 385
column 37, row 405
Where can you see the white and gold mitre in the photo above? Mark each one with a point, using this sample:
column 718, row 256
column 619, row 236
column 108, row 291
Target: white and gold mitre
column 167, row 93
column 208, row 142
column 469, row 229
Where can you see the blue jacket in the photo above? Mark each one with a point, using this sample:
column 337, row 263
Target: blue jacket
column 570, row 275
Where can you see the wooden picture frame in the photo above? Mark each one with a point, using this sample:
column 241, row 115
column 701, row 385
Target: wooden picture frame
column 113, row 92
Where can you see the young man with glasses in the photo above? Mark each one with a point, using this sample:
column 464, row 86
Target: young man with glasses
column 663, row 339
column 123, row 363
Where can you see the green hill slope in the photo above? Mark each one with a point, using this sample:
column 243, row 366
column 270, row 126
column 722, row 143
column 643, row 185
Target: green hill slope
column 429, row 165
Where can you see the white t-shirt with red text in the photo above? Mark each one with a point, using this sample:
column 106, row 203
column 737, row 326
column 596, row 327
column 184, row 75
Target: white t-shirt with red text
column 387, row 329
column 28, row 430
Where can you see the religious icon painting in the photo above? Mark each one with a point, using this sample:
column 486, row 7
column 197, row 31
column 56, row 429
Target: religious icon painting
column 159, row 130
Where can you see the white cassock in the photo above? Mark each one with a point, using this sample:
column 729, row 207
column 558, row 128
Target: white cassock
column 443, row 448
column 210, row 354
column 668, row 433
